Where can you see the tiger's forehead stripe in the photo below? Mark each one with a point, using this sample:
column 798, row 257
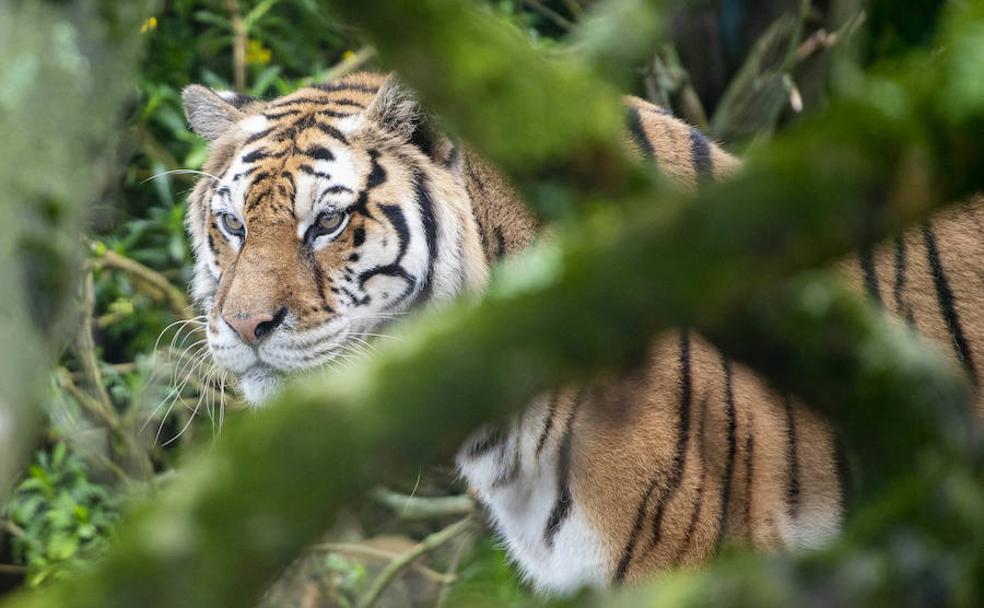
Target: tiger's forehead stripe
column 275, row 136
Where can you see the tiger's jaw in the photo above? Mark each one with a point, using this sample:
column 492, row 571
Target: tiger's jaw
column 258, row 384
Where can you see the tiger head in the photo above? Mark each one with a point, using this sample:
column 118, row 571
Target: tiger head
column 320, row 216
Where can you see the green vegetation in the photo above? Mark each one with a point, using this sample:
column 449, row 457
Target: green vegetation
column 125, row 398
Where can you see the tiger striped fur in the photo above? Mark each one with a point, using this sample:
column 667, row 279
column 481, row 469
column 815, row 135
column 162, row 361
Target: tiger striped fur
column 591, row 485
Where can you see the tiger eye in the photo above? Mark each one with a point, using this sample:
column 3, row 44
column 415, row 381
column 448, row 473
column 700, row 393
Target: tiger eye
column 232, row 223
column 330, row 222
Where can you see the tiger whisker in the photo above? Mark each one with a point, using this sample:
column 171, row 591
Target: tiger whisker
column 180, row 172
column 160, row 429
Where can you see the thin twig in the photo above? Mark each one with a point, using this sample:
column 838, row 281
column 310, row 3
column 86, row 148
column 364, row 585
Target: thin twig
column 559, row 20
column 459, row 552
column 351, row 63
column 822, row 40
column 119, row 368
column 575, row 9
column 12, row 528
column 417, row 507
column 239, row 41
column 176, row 299
column 366, row 551
column 85, row 348
column 12, row 569
column 89, row 403
column 392, row 569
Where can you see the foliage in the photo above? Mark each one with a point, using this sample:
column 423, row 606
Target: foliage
column 62, row 517
column 138, row 256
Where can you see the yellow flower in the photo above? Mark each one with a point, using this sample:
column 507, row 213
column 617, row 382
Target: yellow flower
column 149, row 24
column 257, row 54
column 348, row 55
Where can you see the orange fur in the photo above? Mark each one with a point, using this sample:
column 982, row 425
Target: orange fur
column 671, row 460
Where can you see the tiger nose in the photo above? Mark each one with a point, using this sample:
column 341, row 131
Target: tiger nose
column 253, row 327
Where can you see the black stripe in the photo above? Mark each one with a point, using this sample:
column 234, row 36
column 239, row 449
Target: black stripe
column 639, row 133
column 345, row 102
column 245, row 173
column 562, row 506
column 261, row 154
column 426, row 205
column 331, row 131
column 701, row 151
column 377, row 174
column 867, row 260
column 729, row 466
column 898, row 290
column 309, row 170
column 345, row 86
column 749, row 475
column 683, row 439
column 258, row 136
column 507, row 476
column 396, row 218
column 792, row 453
column 500, row 242
column 318, row 153
column 699, row 503
column 488, row 442
column 629, row 550
column 211, row 244
column 238, row 99
column 319, row 278
column 947, row 302
column 279, row 115
column 548, row 424
column 319, row 101
column 845, row 476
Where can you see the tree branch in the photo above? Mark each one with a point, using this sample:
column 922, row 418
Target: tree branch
column 176, row 299
column 435, row 540
column 418, row 507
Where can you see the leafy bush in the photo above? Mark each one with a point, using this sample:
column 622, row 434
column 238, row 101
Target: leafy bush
column 61, row 517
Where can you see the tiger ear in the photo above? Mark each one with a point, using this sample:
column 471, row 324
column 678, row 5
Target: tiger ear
column 213, row 114
column 396, row 110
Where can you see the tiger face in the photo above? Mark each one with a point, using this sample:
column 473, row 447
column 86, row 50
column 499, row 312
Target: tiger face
column 319, row 218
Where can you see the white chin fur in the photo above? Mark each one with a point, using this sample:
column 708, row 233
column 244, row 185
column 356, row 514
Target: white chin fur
column 257, row 385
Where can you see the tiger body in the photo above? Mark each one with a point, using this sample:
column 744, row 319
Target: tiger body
column 592, row 485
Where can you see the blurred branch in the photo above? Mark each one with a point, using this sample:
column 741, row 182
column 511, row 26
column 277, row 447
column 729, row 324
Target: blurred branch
column 756, row 96
column 86, row 351
column 822, row 40
column 350, row 64
column 12, row 528
column 12, row 569
column 668, row 78
column 176, row 299
column 619, row 271
column 575, row 9
column 467, row 540
column 95, row 408
column 240, row 39
column 366, row 551
column 551, row 15
column 66, row 70
column 616, row 37
column 435, row 540
column 417, row 507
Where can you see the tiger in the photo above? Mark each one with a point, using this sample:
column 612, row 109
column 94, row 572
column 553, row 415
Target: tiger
column 324, row 215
